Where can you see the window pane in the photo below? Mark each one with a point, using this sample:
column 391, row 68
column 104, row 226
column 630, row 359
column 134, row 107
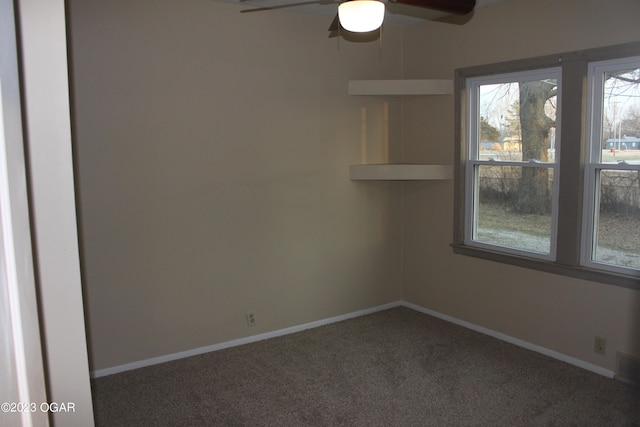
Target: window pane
column 517, row 121
column 617, row 226
column 621, row 116
column 613, row 196
column 505, row 215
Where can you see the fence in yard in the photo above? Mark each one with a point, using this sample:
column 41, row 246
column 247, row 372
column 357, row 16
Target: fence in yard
column 619, row 190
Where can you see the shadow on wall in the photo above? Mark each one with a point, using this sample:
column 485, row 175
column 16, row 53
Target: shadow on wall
column 379, row 151
column 628, row 365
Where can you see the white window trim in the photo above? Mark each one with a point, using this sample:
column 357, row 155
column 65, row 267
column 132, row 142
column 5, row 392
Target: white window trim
column 472, row 160
column 593, row 162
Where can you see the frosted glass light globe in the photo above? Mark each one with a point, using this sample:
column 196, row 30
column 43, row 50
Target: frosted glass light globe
column 361, row 16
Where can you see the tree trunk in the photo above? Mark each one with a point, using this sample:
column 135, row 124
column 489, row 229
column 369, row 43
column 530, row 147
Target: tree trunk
column 534, row 189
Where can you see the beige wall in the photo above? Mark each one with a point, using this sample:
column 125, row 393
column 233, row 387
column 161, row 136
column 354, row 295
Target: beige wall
column 552, row 311
column 212, row 154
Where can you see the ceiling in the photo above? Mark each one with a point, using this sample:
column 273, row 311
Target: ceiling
column 397, row 15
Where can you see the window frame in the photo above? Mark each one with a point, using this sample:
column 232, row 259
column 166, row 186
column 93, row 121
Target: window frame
column 471, row 192
column 594, row 165
column 572, row 164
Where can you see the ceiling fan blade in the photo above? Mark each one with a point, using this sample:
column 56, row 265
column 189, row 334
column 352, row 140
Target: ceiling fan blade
column 456, row 7
column 286, row 5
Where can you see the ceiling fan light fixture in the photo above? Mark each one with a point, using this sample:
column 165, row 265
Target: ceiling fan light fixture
column 361, row 16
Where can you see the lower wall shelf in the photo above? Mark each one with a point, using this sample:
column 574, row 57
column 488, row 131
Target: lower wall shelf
column 400, row 172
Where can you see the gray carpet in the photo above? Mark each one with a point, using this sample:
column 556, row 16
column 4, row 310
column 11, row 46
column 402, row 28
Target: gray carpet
column 393, row 368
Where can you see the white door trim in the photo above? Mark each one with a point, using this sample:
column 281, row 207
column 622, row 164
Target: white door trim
column 21, row 365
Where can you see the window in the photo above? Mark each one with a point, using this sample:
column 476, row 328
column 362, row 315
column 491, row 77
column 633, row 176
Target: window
column 548, row 163
column 511, row 168
column 612, row 190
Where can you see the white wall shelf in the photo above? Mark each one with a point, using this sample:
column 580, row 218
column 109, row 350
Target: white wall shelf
column 400, row 172
column 401, row 87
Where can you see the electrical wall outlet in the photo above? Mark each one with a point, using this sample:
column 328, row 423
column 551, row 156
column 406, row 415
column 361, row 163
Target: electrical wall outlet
column 600, row 345
column 251, row 318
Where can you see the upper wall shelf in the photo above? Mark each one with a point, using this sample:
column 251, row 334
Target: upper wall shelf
column 401, row 87
column 400, row 172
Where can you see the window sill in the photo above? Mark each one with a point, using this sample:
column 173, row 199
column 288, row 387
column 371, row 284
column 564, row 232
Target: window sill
column 578, row 272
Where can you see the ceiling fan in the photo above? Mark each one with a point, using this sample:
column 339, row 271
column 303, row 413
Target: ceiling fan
column 363, row 16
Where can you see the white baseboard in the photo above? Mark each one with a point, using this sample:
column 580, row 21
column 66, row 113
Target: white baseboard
column 516, row 341
column 254, row 338
column 233, row 343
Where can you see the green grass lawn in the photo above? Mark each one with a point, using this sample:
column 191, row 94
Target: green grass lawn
column 618, row 235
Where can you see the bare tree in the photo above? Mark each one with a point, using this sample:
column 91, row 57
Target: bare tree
column 488, row 132
column 535, row 126
column 630, row 125
column 534, row 189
